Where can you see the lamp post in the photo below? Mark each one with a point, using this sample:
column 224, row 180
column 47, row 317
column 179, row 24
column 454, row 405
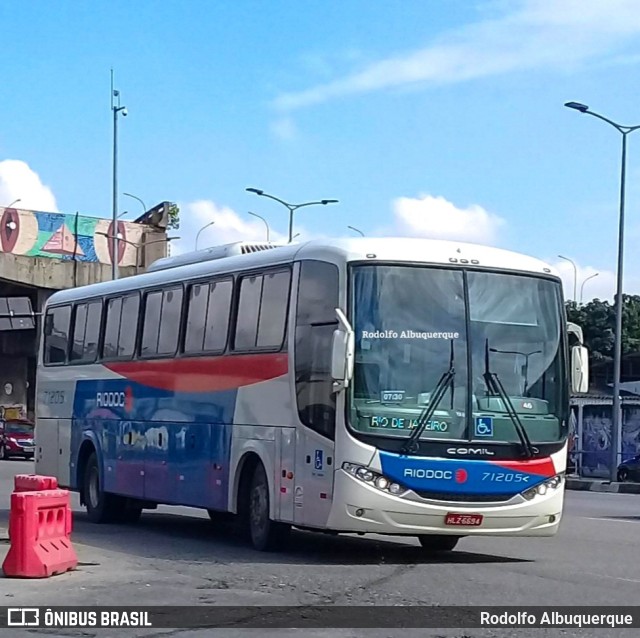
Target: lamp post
column 617, row 350
column 117, row 109
column 575, row 277
column 583, row 283
column 138, row 246
column 14, row 202
column 526, row 363
column 203, row 228
column 292, row 207
column 357, row 230
column 144, row 207
column 264, row 220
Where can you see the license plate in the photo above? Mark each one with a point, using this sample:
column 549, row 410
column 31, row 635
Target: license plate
column 465, row 520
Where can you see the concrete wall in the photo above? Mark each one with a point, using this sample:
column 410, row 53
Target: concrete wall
column 594, row 434
column 13, row 371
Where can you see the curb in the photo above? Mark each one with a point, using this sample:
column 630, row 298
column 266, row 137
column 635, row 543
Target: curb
column 590, row 485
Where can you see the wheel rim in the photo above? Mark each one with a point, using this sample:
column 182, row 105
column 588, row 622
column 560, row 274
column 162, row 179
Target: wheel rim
column 259, row 514
column 622, row 475
column 94, row 488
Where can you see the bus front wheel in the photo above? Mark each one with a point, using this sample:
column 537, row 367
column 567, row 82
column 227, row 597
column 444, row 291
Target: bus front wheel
column 266, row 534
column 435, row 543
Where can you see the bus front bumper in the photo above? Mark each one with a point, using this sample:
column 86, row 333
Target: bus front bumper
column 358, row 507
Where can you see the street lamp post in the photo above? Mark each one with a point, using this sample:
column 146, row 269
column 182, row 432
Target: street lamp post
column 203, row 228
column 117, row 109
column 575, row 277
column 292, row 207
column 144, row 207
column 583, row 283
column 138, row 246
column 14, row 202
column 357, row 230
column 617, row 351
column 264, row 220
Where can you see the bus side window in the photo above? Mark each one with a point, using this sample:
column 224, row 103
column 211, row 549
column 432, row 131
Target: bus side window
column 218, row 311
column 208, row 312
column 86, row 331
column 56, row 343
column 162, row 316
column 121, row 327
column 315, row 323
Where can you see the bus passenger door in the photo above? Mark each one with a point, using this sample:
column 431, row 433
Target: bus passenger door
column 285, row 473
column 314, row 478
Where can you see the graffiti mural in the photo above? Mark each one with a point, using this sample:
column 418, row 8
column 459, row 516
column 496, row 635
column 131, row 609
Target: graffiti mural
column 67, row 237
column 596, row 438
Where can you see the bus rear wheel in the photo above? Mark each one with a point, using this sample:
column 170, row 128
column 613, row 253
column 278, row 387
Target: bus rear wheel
column 266, row 534
column 435, row 543
column 101, row 506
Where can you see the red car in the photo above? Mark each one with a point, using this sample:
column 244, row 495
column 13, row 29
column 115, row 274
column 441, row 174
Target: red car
column 16, row 439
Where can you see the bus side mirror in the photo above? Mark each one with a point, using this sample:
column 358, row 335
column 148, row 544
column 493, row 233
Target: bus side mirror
column 342, row 353
column 579, row 369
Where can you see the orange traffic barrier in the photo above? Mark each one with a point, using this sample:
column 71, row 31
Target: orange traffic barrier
column 34, row 483
column 40, row 533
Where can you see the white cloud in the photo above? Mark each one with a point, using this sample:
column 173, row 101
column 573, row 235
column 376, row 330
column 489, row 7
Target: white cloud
column 284, row 128
column 532, row 34
column 438, row 218
column 228, row 227
column 19, row 181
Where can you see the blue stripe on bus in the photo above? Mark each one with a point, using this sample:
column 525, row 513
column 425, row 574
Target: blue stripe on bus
column 157, row 445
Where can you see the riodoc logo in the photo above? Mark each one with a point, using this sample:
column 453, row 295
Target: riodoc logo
column 115, row 399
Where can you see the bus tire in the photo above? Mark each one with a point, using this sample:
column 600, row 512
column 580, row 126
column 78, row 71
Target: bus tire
column 435, row 543
column 101, row 506
column 216, row 516
column 266, row 534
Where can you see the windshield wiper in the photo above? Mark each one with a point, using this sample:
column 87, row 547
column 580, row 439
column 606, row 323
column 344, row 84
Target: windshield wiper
column 445, row 382
column 495, row 387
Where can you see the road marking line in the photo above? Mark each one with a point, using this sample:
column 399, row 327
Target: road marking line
column 628, row 580
column 610, row 520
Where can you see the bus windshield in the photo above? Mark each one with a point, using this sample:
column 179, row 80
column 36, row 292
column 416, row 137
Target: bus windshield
column 416, row 326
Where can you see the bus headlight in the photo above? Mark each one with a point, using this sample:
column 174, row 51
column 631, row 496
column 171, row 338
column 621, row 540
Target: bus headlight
column 547, row 486
column 374, row 479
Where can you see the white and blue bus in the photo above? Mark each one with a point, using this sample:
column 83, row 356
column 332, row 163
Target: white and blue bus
column 392, row 386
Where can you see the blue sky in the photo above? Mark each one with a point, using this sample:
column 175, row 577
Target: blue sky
column 438, row 119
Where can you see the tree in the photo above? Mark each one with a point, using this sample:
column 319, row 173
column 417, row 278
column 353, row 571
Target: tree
column 174, row 217
column 597, row 320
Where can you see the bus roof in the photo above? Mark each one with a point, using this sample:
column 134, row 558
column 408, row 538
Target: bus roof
column 371, row 249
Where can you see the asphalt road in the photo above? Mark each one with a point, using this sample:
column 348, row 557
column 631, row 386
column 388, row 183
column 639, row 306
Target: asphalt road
column 175, row 556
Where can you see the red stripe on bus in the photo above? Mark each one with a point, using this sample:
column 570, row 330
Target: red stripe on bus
column 542, row 467
column 203, row 374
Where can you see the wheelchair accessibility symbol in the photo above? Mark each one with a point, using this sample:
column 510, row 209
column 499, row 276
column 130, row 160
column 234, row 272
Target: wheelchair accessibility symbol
column 484, row 426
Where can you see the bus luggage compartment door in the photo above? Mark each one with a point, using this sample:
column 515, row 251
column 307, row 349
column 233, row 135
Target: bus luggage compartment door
column 285, row 474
